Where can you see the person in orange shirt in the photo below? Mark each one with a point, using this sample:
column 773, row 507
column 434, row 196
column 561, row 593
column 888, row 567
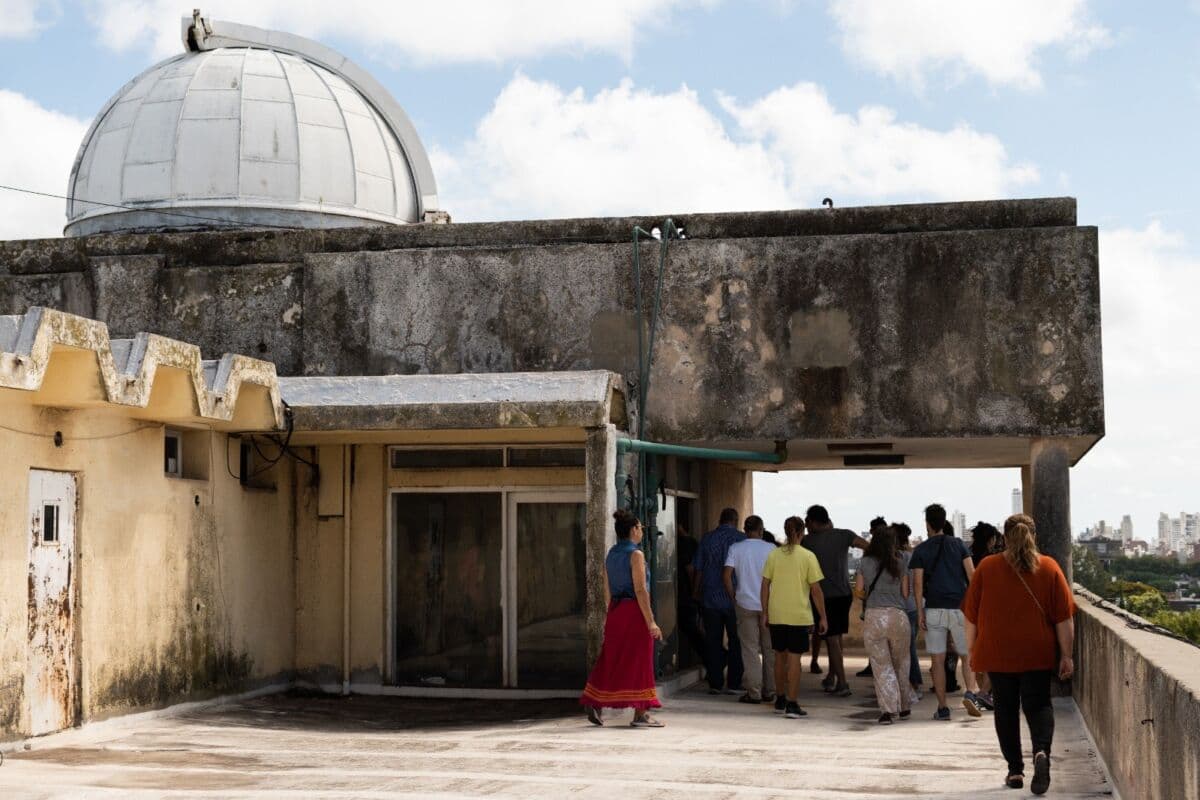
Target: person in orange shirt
column 1021, row 630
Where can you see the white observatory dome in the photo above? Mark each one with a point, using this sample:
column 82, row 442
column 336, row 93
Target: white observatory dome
column 249, row 128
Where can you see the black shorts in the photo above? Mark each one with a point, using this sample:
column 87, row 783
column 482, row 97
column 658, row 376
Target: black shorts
column 789, row 638
column 837, row 612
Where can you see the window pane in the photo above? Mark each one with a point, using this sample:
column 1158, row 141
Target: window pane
column 545, row 457
column 49, row 523
column 551, row 574
column 443, row 458
column 448, row 618
column 171, row 454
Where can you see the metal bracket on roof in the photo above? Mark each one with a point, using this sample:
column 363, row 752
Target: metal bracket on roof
column 195, row 33
column 201, row 34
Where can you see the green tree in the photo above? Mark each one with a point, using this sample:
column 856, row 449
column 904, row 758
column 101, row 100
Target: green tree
column 1089, row 572
column 1146, row 604
column 1182, row 623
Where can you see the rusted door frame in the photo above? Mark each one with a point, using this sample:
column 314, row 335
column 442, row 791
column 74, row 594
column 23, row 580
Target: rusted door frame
column 68, row 611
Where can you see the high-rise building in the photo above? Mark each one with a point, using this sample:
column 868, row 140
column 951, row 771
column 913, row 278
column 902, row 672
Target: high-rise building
column 1191, row 529
column 1178, row 534
column 1018, row 502
column 1126, row 529
column 959, row 521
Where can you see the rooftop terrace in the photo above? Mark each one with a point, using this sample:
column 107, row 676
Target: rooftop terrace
column 283, row 746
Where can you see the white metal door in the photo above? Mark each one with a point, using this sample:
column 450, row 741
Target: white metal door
column 51, row 675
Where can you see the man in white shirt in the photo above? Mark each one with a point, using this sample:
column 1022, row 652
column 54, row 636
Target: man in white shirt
column 742, row 577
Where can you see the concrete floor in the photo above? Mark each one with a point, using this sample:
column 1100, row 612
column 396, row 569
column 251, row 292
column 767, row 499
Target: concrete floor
column 712, row 747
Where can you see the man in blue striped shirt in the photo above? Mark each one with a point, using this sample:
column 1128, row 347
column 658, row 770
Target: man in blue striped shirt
column 716, row 608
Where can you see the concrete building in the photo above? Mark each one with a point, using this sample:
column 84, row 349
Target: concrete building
column 1126, row 529
column 1178, row 534
column 1018, row 504
column 1104, row 548
column 1136, row 548
column 422, row 502
column 1164, row 533
column 959, row 521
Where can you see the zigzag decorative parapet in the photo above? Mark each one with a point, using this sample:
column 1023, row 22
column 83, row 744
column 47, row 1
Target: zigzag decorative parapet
column 128, row 366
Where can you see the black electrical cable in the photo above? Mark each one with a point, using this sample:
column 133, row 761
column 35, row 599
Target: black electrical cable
column 270, row 462
column 181, row 214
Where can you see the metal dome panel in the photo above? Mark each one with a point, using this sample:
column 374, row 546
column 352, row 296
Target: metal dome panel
column 242, row 136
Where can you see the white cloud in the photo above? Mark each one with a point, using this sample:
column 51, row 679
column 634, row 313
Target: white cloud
column 997, row 39
column 545, row 152
column 870, row 154
column 1149, row 278
column 20, row 18
column 37, row 148
column 446, row 31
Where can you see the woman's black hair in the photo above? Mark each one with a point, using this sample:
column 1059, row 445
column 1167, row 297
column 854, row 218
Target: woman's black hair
column 902, row 533
column 882, row 548
column 625, row 522
column 984, row 536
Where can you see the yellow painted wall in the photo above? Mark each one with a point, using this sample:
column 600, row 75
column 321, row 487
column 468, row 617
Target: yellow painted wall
column 318, row 582
column 184, row 587
column 368, row 563
column 320, row 570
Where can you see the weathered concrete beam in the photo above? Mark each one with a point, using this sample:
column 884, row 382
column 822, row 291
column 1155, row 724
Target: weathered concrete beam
column 226, row 248
column 461, row 402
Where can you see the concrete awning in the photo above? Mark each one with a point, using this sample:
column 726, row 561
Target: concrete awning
column 67, row 361
column 466, row 401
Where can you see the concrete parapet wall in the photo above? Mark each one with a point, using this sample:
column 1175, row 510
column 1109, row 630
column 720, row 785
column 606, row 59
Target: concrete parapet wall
column 792, row 325
column 1139, row 693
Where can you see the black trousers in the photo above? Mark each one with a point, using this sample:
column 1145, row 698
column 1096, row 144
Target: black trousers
column 721, row 624
column 1012, row 693
column 691, row 636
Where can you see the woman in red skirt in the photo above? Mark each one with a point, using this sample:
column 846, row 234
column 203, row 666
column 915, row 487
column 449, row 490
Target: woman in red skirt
column 624, row 674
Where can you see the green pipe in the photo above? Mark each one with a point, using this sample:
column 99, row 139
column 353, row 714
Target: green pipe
column 710, row 453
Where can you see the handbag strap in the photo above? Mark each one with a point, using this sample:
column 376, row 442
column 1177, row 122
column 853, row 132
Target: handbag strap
column 1036, row 602
column 878, row 575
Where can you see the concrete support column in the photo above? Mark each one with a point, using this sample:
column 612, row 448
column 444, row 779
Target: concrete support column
column 601, row 504
column 1027, row 490
column 1049, row 490
column 726, row 486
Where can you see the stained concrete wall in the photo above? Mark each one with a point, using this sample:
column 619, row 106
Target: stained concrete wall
column 184, row 587
column 1139, row 694
column 782, row 325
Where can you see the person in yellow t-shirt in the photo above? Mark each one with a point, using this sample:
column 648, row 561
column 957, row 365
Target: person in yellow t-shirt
column 790, row 576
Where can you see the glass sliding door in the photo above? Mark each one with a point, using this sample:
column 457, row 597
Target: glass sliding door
column 665, row 591
column 547, row 599
column 449, row 625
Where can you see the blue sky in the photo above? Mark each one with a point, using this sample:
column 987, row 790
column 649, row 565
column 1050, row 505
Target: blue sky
column 538, row 109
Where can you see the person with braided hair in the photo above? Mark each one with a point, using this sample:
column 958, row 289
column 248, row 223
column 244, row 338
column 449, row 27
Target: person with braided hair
column 1021, row 631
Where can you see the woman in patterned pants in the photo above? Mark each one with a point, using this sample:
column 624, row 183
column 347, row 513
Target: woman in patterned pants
column 883, row 582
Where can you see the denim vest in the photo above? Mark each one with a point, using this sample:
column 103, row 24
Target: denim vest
column 620, row 573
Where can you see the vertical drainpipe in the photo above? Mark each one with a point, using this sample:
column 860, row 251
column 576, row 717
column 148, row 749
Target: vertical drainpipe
column 347, row 453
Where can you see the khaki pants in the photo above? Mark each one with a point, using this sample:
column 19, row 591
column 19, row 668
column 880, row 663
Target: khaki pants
column 886, row 635
column 758, row 659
